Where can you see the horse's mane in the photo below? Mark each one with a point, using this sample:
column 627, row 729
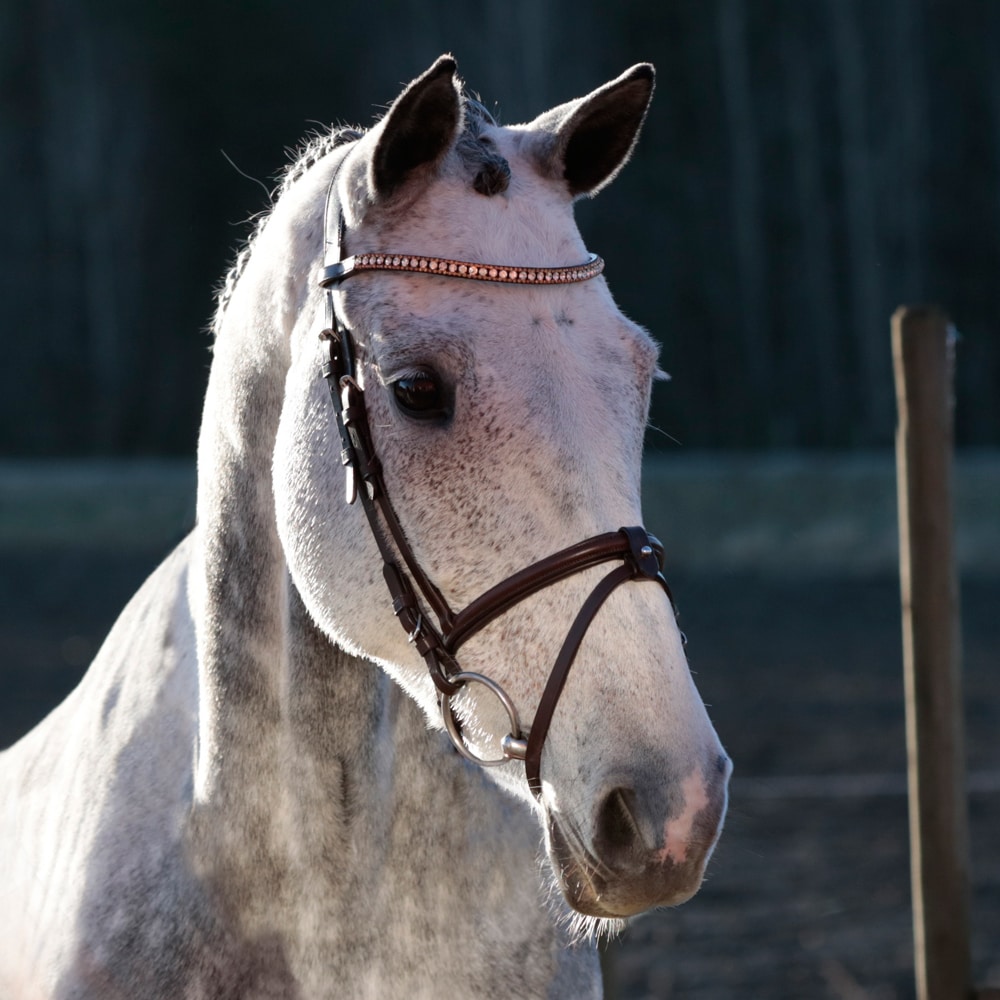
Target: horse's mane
column 491, row 175
column 316, row 146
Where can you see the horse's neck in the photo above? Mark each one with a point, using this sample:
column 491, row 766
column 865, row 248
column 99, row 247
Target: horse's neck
column 239, row 580
column 286, row 721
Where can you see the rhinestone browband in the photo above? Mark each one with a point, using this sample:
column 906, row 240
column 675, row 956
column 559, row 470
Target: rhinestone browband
column 509, row 273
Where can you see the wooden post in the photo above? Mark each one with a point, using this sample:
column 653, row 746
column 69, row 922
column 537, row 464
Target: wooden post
column 922, row 347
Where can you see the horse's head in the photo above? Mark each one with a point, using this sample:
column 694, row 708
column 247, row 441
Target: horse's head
column 508, row 420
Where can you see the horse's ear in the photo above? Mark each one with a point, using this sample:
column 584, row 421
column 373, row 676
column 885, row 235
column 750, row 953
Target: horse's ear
column 419, row 129
column 591, row 139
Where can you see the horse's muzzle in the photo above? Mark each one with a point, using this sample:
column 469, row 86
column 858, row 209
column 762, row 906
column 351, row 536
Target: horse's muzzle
column 627, row 868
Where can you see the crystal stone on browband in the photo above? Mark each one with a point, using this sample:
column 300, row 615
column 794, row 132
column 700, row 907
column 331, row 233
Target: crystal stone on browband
column 508, row 273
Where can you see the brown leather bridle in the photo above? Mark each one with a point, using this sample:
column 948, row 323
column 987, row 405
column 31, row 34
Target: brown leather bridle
column 640, row 554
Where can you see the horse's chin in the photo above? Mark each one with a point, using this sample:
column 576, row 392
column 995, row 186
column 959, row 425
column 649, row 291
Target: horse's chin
column 616, row 903
column 615, row 891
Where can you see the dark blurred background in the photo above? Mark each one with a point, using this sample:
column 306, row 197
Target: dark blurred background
column 807, row 166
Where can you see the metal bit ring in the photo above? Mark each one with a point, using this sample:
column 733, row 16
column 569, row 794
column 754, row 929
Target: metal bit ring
column 514, row 743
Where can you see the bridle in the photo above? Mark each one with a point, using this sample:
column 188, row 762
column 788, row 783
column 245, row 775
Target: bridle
column 639, row 554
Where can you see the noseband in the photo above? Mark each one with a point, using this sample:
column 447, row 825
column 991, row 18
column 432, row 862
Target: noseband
column 639, row 554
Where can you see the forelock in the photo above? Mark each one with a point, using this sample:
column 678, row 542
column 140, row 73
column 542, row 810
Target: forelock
column 490, row 171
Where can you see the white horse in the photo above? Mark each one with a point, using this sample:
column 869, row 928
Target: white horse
column 235, row 802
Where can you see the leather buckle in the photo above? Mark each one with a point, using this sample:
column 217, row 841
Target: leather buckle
column 642, row 548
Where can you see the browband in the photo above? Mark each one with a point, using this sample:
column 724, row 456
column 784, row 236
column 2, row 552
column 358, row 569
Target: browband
column 509, row 273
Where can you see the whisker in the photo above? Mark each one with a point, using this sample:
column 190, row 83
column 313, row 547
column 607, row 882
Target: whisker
column 580, row 852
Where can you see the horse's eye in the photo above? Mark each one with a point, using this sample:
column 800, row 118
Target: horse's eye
column 420, row 395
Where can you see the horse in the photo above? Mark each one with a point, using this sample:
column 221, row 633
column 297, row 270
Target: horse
column 422, row 397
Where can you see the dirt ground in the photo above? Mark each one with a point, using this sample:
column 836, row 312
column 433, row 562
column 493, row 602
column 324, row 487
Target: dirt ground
column 808, row 894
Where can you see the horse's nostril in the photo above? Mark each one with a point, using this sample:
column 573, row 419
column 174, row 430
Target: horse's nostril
column 617, row 834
